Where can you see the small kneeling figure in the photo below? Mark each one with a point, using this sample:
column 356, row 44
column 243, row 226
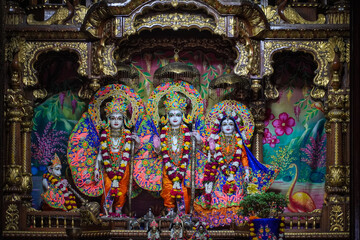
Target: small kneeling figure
column 56, row 193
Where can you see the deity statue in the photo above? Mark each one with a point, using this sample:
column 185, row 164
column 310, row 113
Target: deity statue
column 100, row 152
column 201, row 232
column 114, row 154
column 56, row 190
column 176, row 229
column 230, row 166
column 174, row 148
column 154, row 232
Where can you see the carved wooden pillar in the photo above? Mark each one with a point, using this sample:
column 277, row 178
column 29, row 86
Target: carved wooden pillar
column 258, row 111
column 337, row 177
column 26, row 124
column 13, row 174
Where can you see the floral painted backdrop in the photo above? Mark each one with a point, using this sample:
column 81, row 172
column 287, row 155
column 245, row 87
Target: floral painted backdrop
column 209, row 66
column 294, row 136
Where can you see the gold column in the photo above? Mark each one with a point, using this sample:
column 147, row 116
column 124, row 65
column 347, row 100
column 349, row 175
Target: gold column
column 26, row 124
column 258, row 111
column 13, row 176
column 337, row 180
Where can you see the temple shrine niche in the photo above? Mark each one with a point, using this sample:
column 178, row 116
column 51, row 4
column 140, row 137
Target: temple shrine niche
column 129, row 119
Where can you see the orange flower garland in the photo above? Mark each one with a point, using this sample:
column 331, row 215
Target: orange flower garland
column 114, row 172
column 175, row 173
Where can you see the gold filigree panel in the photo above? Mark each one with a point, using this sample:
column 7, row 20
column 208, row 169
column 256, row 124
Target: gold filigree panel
column 12, row 218
column 32, row 50
column 336, row 218
column 174, row 21
column 109, row 60
column 241, row 68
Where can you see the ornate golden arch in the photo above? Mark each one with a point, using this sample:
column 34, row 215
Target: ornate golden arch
column 32, row 50
column 322, row 51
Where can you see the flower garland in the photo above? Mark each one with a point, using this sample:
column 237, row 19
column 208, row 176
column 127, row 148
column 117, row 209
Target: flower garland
column 115, row 172
column 175, row 173
column 69, row 197
column 218, row 160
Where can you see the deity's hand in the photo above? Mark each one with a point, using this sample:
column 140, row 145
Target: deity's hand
column 211, row 144
column 135, row 138
column 197, row 136
column 64, row 182
column 208, row 187
column 156, row 141
column 247, row 174
column 97, row 175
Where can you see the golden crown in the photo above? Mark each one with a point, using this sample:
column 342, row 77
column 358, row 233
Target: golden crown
column 55, row 161
column 174, row 101
column 118, row 105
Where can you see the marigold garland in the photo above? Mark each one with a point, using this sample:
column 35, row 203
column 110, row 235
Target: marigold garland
column 114, row 171
column 69, row 197
column 175, row 173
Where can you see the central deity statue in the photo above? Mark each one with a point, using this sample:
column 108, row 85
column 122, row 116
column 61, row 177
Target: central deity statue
column 174, row 148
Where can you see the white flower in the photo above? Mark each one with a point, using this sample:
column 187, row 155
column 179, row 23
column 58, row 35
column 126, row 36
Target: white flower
column 235, row 164
column 162, row 135
column 168, row 164
column 126, row 154
column 115, row 183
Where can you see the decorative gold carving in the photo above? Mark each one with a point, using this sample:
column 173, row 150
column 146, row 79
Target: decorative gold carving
column 12, row 218
column 33, row 49
column 109, row 60
column 85, row 92
column 319, row 49
column 336, row 176
column 293, row 17
column 176, row 21
column 13, row 47
column 12, row 198
column 337, row 43
column 26, row 182
column 79, row 15
column 12, row 177
column 57, row 18
column 270, row 90
column 271, row 14
column 40, row 93
column 242, row 60
column 14, row 101
column 336, row 218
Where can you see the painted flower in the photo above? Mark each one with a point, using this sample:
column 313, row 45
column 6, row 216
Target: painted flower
column 267, row 136
column 268, row 116
column 273, row 140
column 284, row 124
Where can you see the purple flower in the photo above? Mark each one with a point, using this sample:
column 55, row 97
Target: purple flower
column 284, row 124
column 62, row 99
column 73, row 105
column 297, row 111
column 268, row 116
column 267, row 136
column 273, row 140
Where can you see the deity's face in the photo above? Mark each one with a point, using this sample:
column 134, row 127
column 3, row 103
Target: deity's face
column 116, row 120
column 175, row 118
column 55, row 170
column 228, row 127
column 201, row 229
